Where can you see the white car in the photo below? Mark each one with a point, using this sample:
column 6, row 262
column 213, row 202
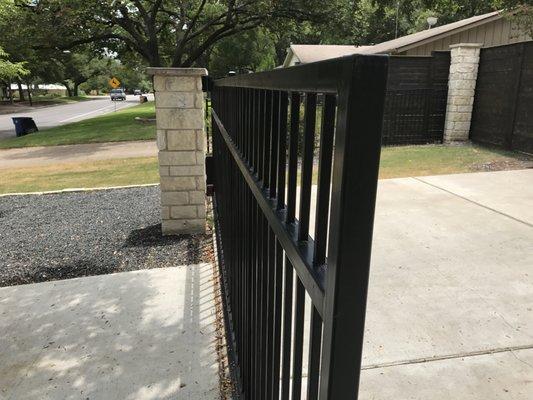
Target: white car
column 117, row 94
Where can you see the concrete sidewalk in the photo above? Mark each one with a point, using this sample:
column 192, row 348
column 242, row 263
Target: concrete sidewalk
column 39, row 156
column 142, row 335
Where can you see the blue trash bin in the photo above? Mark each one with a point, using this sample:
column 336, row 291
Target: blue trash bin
column 24, row 125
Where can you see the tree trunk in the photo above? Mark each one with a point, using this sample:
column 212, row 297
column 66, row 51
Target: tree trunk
column 10, row 92
column 69, row 91
column 29, row 94
column 21, row 92
column 75, row 91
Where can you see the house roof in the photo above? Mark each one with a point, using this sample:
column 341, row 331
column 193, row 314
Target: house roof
column 308, row 53
column 311, row 53
column 416, row 39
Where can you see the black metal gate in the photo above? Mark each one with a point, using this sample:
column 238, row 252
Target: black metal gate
column 271, row 260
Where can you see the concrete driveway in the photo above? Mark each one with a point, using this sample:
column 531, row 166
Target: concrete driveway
column 47, row 117
column 450, row 308
column 450, row 303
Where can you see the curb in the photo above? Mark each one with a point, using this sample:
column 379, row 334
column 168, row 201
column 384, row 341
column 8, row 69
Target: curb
column 75, row 190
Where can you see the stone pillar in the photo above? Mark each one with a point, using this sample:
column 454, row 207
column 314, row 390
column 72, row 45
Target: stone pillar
column 461, row 89
column 179, row 102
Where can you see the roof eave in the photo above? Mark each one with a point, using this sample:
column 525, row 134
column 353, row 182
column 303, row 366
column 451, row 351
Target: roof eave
column 444, row 34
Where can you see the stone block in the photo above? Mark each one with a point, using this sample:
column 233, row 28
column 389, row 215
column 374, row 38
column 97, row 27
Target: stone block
column 161, row 140
column 183, row 212
column 462, row 126
column 174, row 198
column 201, row 211
column 463, row 92
column 181, row 140
column 200, row 157
column 196, row 170
column 200, row 99
column 200, row 183
column 164, row 170
column 466, row 51
column 180, row 118
column 183, row 226
column 177, row 83
column 176, row 99
column 461, row 101
column 165, row 212
column 200, row 140
column 178, row 183
column 172, row 158
column 448, row 125
column 465, row 109
column 197, row 197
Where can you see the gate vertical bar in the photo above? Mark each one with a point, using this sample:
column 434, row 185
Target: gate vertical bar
column 355, row 171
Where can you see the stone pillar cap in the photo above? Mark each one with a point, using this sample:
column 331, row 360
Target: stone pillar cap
column 473, row 45
column 158, row 71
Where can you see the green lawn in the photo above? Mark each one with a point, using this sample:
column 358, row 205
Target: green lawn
column 46, row 100
column 58, row 100
column 395, row 162
column 405, row 161
column 121, row 172
column 113, row 127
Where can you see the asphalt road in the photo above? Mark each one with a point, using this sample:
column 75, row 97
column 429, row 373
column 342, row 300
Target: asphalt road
column 48, row 117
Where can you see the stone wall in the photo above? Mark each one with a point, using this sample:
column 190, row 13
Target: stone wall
column 461, row 90
column 181, row 141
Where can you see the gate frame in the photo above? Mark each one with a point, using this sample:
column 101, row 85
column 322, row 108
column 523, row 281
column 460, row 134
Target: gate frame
column 338, row 295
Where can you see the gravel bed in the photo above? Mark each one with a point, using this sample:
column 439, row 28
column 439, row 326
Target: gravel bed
column 68, row 235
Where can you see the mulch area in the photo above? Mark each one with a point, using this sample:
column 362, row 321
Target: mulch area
column 68, row 235
column 522, row 162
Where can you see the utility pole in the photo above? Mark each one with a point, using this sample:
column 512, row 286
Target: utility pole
column 397, row 15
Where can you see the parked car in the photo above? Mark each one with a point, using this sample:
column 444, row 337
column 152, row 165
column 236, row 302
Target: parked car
column 137, row 92
column 117, row 94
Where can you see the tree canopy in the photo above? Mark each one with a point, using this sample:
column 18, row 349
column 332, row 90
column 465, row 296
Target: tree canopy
column 164, row 32
column 11, row 70
column 84, row 42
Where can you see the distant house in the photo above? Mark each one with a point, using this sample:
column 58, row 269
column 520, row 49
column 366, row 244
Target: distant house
column 43, row 88
column 492, row 29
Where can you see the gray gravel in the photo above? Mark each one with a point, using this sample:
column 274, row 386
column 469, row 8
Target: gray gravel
column 67, row 235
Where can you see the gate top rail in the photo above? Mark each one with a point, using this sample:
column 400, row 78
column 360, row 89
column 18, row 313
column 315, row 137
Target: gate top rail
column 328, row 76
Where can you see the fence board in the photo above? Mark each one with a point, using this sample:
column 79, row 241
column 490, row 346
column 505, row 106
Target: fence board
column 415, row 102
column 503, row 104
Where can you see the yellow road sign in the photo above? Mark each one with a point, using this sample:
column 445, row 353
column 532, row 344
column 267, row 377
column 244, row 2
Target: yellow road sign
column 114, row 82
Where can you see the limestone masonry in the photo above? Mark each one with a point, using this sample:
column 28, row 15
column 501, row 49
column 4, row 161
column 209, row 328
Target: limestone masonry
column 181, row 142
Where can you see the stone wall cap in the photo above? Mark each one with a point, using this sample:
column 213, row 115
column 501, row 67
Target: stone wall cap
column 473, row 45
column 158, row 71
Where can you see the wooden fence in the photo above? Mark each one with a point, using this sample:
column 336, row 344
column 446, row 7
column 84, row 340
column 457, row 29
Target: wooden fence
column 503, row 105
column 415, row 102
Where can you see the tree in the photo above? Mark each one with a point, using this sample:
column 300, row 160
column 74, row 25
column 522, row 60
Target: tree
column 247, row 51
column 9, row 71
column 79, row 67
column 129, row 72
column 164, row 32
